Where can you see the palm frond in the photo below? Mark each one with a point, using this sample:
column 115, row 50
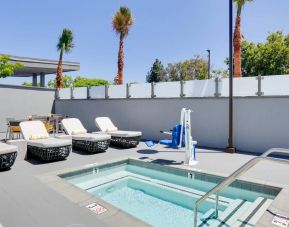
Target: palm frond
column 122, row 21
column 240, row 4
column 65, row 41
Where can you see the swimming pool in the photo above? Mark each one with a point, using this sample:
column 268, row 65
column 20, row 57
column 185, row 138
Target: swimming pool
column 164, row 196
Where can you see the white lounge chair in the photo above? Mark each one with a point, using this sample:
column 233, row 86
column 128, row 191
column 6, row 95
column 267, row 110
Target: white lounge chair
column 83, row 141
column 41, row 145
column 8, row 154
column 124, row 139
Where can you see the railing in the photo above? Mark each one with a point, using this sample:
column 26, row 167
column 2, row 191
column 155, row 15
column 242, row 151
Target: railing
column 247, row 86
column 235, row 175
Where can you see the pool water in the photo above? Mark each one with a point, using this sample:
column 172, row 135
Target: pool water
column 130, row 198
column 159, row 195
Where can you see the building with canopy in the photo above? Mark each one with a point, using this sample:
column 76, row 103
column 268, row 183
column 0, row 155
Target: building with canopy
column 38, row 68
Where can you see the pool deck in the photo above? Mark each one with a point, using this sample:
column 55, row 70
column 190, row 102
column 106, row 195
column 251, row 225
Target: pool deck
column 27, row 198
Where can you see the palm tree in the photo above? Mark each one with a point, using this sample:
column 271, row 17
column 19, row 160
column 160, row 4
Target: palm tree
column 122, row 21
column 65, row 44
column 238, row 38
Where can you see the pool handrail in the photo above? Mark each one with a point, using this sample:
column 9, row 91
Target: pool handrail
column 228, row 180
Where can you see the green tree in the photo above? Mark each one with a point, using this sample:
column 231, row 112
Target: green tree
column 269, row 58
column 157, row 72
column 121, row 23
column 221, row 73
column 6, row 68
column 173, row 72
column 65, row 44
column 88, row 82
column 66, row 82
column 191, row 69
column 79, row 81
column 29, row 84
column 238, row 37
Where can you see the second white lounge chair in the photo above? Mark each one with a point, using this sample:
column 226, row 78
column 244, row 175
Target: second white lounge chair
column 83, row 141
column 119, row 138
column 41, row 145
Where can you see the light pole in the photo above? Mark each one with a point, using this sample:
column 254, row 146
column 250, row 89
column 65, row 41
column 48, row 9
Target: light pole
column 230, row 148
column 209, row 63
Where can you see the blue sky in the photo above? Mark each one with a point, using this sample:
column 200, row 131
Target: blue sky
column 171, row 30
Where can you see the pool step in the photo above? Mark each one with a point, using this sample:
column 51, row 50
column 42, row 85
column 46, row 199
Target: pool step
column 231, row 214
column 210, row 214
column 253, row 213
column 239, row 213
column 96, row 181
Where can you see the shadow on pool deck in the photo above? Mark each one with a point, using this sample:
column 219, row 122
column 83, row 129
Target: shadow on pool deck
column 167, row 162
column 147, row 151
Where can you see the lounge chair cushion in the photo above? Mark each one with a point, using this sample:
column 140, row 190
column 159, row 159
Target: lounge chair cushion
column 7, row 148
column 124, row 134
column 30, row 128
column 77, row 132
column 73, row 125
column 50, row 142
column 114, row 129
column 91, row 137
column 39, row 136
column 105, row 124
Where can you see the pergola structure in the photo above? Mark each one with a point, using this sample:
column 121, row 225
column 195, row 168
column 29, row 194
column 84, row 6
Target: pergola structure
column 34, row 67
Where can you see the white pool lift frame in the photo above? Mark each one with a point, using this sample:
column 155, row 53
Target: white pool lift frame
column 190, row 144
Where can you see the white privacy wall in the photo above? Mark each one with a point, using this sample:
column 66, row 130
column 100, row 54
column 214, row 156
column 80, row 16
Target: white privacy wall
column 19, row 102
column 259, row 122
column 243, row 87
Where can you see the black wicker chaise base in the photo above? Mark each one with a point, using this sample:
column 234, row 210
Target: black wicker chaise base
column 90, row 146
column 49, row 153
column 7, row 160
column 125, row 142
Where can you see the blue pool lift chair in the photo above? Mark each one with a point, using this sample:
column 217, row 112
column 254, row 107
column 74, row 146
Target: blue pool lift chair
column 176, row 135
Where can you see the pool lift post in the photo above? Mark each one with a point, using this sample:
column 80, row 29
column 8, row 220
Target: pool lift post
column 190, row 145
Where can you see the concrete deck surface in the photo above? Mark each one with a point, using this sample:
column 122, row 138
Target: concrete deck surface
column 27, row 201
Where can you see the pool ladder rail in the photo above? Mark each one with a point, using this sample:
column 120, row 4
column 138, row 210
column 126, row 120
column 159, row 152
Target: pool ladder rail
column 235, row 175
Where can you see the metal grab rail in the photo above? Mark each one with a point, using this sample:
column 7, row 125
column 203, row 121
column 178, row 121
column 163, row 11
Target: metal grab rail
column 235, row 175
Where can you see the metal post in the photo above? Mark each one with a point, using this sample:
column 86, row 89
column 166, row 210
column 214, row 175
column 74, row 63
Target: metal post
column 230, row 148
column 259, row 92
column 182, row 93
column 153, row 90
column 57, row 93
column 88, row 92
column 127, row 91
column 106, row 92
column 217, row 205
column 217, row 93
column 209, row 63
column 71, row 93
column 195, row 215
